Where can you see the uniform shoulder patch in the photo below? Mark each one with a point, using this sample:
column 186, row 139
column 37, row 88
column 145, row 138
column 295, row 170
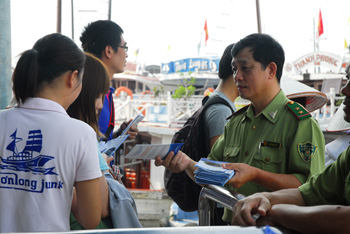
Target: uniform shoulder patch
column 243, row 109
column 306, row 150
column 298, row 110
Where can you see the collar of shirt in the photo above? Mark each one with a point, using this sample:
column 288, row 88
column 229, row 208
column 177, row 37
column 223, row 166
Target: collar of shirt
column 43, row 105
column 112, row 89
column 272, row 111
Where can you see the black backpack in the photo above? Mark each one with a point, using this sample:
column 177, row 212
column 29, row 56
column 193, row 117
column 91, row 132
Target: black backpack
column 181, row 188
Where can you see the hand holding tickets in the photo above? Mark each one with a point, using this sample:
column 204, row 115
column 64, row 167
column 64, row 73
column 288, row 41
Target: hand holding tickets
column 211, row 172
column 143, row 151
column 111, row 146
column 135, row 121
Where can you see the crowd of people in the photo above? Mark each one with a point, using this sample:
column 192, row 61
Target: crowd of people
column 53, row 176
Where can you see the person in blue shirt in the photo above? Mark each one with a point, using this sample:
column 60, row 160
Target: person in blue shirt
column 104, row 39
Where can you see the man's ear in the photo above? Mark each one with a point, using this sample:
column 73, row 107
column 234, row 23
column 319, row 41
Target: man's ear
column 272, row 69
column 108, row 51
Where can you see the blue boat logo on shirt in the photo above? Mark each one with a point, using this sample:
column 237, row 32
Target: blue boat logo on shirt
column 24, row 160
column 14, row 167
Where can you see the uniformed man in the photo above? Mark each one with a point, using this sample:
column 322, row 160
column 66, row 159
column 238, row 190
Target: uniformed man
column 273, row 143
column 322, row 205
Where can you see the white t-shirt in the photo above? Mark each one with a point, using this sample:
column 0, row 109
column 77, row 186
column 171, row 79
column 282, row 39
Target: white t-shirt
column 42, row 153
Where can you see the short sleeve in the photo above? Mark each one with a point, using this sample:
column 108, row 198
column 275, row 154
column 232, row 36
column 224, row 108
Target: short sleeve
column 87, row 161
column 329, row 187
column 307, row 150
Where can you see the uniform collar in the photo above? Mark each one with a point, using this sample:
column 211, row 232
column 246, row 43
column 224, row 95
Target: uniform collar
column 272, row 111
column 43, row 105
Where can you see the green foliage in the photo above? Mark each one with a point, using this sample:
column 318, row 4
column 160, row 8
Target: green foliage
column 186, row 90
column 157, row 91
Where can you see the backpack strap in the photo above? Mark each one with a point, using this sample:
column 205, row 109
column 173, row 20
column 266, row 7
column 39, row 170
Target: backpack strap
column 111, row 122
column 206, row 102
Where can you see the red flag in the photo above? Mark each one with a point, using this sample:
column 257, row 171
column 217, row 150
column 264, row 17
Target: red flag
column 206, row 32
column 320, row 24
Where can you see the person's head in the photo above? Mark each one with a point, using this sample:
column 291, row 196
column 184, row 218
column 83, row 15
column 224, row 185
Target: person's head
column 346, row 91
column 264, row 49
column 104, row 39
column 95, row 86
column 52, row 57
column 225, row 69
column 257, row 63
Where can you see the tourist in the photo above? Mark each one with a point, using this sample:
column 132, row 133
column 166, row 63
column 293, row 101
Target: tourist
column 104, row 39
column 273, row 143
column 44, row 152
column 86, row 108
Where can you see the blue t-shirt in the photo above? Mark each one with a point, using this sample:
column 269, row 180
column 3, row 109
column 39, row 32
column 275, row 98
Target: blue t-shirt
column 106, row 113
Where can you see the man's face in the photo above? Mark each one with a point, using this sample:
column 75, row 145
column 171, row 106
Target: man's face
column 119, row 57
column 346, row 91
column 251, row 79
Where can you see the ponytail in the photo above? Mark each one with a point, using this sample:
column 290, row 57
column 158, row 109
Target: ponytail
column 25, row 76
column 50, row 57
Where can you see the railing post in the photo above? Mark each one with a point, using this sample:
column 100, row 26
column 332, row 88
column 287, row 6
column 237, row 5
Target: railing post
column 332, row 100
column 213, row 193
column 203, row 209
column 169, row 109
column 129, row 108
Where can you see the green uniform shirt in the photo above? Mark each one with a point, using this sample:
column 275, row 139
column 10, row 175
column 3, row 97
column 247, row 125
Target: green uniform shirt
column 332, row 186
column 275, row 141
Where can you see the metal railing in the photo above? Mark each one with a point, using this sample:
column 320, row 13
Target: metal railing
column 215, row 194
column 167, row 111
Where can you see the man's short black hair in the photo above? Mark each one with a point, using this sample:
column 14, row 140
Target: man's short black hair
column 225, row 68
column 265, row 50
column 99, row 34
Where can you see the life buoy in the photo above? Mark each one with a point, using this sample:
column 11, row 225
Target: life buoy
column 146, row 92
column 123, row 89
column 208, row 91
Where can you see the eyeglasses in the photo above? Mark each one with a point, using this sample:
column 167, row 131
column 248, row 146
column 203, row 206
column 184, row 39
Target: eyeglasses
column 125, row 48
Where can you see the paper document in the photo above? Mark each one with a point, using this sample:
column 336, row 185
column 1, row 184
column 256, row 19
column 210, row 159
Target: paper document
column 211, row 172
column 111, row 146
column 134, row 122
column 143, row 151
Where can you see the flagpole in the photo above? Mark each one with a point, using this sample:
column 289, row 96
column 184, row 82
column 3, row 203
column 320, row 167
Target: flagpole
column 258, row 16
column 314, row 40
column 200, row 44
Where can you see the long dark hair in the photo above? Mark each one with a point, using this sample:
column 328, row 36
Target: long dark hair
column 50, row 57
column 95, row 82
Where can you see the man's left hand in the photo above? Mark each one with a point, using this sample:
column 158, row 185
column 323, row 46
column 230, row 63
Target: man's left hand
column 133, row 130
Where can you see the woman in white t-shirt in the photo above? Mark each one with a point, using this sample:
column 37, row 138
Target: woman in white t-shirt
column 44, row 152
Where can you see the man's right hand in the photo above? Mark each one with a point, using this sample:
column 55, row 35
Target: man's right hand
column 175, row 163
column 245, row 209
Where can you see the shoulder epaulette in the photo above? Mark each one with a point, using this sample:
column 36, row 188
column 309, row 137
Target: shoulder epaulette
column 298, row 110
column 238, row 112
